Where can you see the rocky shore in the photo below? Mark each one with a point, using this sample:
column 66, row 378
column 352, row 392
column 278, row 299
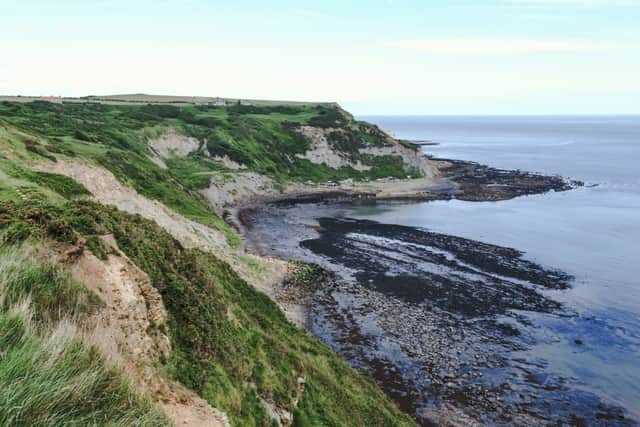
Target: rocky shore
column 442, row 323
column 457, row 179
column 477, row 182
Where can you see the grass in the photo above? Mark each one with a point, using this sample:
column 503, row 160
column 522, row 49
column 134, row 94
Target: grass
column 61, row 184
column 56, row 380
column 384, row 167
column 264, row 138
column 18, row 183
column 52, row 293
column 194, row 172
column 231, row 343
column 48, row 377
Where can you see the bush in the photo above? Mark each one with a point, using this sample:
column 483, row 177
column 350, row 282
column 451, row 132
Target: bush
column 61, row 184
column 82, row 136
column 37, row 148
column 329, row 117
column 263, row 109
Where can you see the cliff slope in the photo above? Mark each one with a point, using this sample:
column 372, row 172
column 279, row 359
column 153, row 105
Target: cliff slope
column 125, row 204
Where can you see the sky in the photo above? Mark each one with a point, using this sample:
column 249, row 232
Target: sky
column 373, row 57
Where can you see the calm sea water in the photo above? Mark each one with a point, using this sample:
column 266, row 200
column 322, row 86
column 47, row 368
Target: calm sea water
column 592, row 233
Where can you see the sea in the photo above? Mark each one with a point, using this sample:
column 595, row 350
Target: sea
column 592, row 232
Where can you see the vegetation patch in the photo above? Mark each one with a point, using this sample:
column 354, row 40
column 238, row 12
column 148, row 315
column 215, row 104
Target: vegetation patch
column 54, row 380
column 63, row 185
column 231, row 343
column 330, row 117
column 52, row 292
column 35, row 147
column 383, row 167
column 47, row 376
column 159, row 184
column 262, row 137
column 194, row 171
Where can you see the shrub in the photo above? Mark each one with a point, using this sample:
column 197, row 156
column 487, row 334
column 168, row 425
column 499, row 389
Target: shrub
column 329, row 117
column 37, row 148
column 82, row 136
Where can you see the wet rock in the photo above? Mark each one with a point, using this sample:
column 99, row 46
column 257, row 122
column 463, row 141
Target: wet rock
column 435, row 320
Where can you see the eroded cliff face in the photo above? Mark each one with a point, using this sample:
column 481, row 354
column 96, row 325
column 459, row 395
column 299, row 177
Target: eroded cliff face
column 261, row 272
column 107, row 189
column 131, row 329
column 412, row 159
column 166, row 257
column 322, row 153
column 172, row 143
column 338, row 147
column 229, row 189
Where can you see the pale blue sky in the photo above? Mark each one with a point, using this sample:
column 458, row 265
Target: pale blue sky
column 378, row 56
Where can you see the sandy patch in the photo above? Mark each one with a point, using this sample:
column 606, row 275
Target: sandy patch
column 109, row 191
column 171, row 143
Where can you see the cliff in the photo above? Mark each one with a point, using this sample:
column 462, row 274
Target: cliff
column 111, row 224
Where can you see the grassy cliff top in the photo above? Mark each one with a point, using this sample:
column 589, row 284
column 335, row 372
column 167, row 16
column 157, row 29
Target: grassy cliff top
column 264, row 138
column 137, row 98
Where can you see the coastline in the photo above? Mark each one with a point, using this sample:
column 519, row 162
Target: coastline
column 435, row 301
column 333, row 305
column 457, row 179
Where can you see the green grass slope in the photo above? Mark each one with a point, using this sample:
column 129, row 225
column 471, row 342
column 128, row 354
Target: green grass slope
column 263, row 138
column 47, row 376
column 231, row 344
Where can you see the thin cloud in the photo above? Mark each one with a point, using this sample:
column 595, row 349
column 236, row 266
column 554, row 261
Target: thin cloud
column 496, row 46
